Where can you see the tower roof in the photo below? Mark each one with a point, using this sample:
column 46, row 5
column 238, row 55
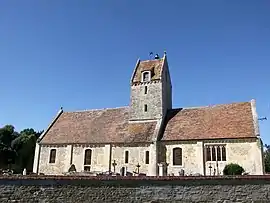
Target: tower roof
column 155, row 66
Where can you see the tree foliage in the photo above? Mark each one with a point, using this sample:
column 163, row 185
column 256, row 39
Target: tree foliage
column 17, row 149
column 267, row 158
column 233, row 169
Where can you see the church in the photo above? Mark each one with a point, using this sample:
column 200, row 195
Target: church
column 149, row 136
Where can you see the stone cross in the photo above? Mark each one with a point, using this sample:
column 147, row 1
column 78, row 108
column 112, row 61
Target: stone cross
column 210, row 168
column 161, row 170
column 114, row 164
column 24, row 171
column 138, row 166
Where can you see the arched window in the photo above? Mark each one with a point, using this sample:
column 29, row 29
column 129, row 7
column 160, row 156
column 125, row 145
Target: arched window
column 126, row 157
column 177, row 156
column 87, row 157
column 146, row 76
column 52, row 156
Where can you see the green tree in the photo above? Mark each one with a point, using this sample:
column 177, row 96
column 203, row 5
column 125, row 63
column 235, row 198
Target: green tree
column 24, row 145
column 7, row 134
column 7, row 154
column 267, row 158
column 17, row 149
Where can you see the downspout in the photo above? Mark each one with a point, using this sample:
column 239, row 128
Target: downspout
column 110, row 159
column 257, row 131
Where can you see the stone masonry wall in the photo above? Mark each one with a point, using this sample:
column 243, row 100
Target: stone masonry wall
column 135, row 189
column 153, row 100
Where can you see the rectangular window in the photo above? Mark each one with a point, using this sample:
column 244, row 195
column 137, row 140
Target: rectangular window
column 145, row 108
column 146, row 76
column 218, row 153
column 86, row 168
column 126, row 157
column 215, row 153
column 145, row 89
column 147, row 157
column 52, row 156
column 177, row 156
column 208, row 154
column 223, row 152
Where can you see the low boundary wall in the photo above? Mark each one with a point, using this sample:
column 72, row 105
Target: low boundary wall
column 134, row 189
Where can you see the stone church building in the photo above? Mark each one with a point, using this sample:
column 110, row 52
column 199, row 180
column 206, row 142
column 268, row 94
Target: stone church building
column 152, row 134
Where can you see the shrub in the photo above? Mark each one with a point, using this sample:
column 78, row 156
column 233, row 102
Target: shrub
column 233, row 169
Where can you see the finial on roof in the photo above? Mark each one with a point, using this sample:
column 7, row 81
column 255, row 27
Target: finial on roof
column 156, row 56
column 151, row 55
column 61, row 108
column 165, row 53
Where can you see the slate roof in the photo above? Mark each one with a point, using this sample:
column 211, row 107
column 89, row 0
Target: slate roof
column 220, row 121
column 98, row 126
column 155, row 66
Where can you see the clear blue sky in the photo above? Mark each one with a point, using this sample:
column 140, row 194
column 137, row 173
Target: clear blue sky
column 81, row 54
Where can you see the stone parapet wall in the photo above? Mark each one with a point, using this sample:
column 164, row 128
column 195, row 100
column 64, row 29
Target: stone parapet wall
column 134, row 189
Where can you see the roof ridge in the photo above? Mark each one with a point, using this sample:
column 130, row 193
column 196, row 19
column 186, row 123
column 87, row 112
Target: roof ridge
column 213, row 105
column 101, row 109
column 148, row 60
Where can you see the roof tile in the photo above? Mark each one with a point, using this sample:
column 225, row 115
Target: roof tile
column 155, row 66
column 221, row 121
column 98, row 126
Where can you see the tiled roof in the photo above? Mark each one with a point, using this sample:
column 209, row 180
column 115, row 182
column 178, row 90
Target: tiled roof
column 98, row 126
column 221, row 121
column 155, row 66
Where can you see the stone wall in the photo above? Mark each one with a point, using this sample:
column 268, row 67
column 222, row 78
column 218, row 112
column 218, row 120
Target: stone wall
column 136, row 155
column 192, row 158
column 101, row 159
column 153, row 100
column 135, row 189
column 62, row 161
column 245, row 152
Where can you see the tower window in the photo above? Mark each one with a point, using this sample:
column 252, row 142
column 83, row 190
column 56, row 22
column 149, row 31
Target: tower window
column 145, row 89
column 145, row 108
column 146, row 76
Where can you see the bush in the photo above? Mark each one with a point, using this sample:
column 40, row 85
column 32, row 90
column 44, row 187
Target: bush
column 233, row 169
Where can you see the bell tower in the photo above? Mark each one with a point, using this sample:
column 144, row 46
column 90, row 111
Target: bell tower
column 151, row 89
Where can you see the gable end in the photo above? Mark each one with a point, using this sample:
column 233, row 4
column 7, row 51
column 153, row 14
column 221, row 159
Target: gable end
column 51, row 124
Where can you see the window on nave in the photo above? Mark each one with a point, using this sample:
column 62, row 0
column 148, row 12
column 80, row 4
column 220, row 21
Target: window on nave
column 215, row 153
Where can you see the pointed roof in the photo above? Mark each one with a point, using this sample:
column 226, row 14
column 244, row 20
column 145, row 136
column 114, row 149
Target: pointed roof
column 154, row 65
